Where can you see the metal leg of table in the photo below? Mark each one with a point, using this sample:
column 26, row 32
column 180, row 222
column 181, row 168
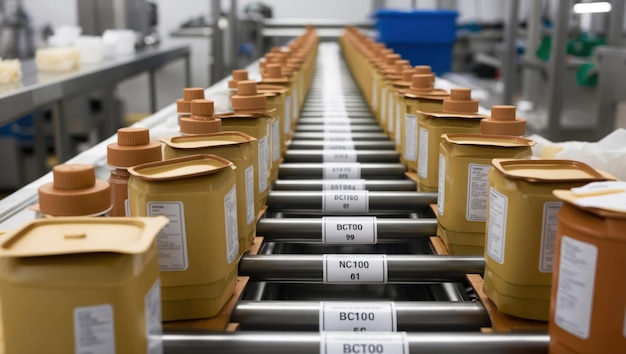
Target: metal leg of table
column 556, row 69
column 61, row 138
column 152, row 90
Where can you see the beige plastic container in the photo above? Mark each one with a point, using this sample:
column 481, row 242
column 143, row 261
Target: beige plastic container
column 198, row 249
column 521, row 229
column 463, row 188
column 252, row 116
column 274, row 76
column 387, row 110
column 395, row 123
column 81, row 285
column 74, row 191
column 587, row 314
column 462, row 243
column 276, row 103
column 133, row 147
column 421, row 96
column 237, row 148
column 458, row 114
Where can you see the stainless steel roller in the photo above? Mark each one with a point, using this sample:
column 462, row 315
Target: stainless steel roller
column 309, row 343
column 426, row 316
column 378, row 201
column 316, row 170
column 401, row 268
column 310, row 229
column 318, row 185
column 364, row 156
column 322, row 128
column 351, row 120
column 358, row 145
column 353, row 136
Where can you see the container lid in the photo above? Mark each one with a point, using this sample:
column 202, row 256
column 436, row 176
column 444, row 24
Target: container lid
column 267, row 89
column 238, row 75
column 607, row 199
column 548, row 170
column 274, row 74
column 180, row 167
column 487, row 140
column 59, row 236
column 503, row 122
column 458, row 105
column 183, row 105
column 74, row 191
column 422, row 87
column 248, row 100
column 208, row 140
column 133, row 147
column 202, row 120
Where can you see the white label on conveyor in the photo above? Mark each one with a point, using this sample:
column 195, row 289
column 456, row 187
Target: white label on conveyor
column 287, row 120
column 549, row 224
column 496, row 225
column 422, row 161
column 263, row 163
column 390, row 112
column 249, row 190
column 338, row 137
column 352, row 230
column 343, row 184
column 230, row 225
column 574, row 294
column 410, row 137
column 373, row 316
column 336, row 117
column 339, row 155
column 342, row 145
column 172, row 239
column 345, row 202
column 335, row 170
column 441, row 185
column 276, row 140
column 398, row 130
column 337, row 129
column 94, row 329
column 364, row 343
column 355, row 268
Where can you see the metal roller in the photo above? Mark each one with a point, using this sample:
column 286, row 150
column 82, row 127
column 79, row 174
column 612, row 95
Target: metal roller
column 364, row 156
column 411, row 315
column 401, row 268
column 378, row 201
column 322, row 128
column 370, row 185
column 316, row 170
column 358, row 145
column 321, row 120
column 309, row 343
column 310, row 229
column 354, row 136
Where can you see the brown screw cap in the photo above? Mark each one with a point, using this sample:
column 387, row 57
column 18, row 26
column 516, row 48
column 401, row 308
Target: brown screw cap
column 183, row 105
column 238, row 75
column 133, row 148
column 201, row 120
column 75, row 191
column 423, row 69
column 248, row 100
column 460, row 101
column 400, row 65
column 503, row 122
column 422, row 82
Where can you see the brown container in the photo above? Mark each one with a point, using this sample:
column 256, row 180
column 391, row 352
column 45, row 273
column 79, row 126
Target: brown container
column 588, row 308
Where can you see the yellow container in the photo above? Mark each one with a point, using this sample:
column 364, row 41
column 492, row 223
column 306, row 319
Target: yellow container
column 392, row 75
column 198, row 249
column 521, row 230
column 275, row 77
column 237, row 148
column 458, row 115
column 276, row 103
column 462, row 243
column 81, row 285
column 464, row 163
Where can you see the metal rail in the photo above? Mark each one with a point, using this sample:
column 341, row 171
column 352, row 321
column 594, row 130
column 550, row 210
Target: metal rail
column 321, row 120
column 322, row 128
column 366, row 156
column 370, row 185
column 378, row 201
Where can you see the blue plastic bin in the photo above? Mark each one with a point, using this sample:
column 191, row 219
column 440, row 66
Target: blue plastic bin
column 424, row 37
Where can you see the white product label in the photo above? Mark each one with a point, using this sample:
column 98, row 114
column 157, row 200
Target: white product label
column 343, row 184
column 383, row 104
column 152, row 309
column 276, row 140
column 127, row 207
column 574, row 294
column 355, row 268
column 230, row 224
column 172, row 239
column 249, row 177
column 441, row 188
column 263, row 164
column 368, row 342
column 410, row 137
column 349, row 230
column 288, row 118
column 338, row 137
column 94, row 331
column 390, row 107
column 337, row 116
column 549, row 224
column 374, row 96
column 371, row 316
column 295, row 104
column 337, row 129
column 333, row 170
column 339, row 155
column 343, row 145
column 398, row 130
column 345, row 202
column 496, row 225
column 422, row 160
column 477, row 191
